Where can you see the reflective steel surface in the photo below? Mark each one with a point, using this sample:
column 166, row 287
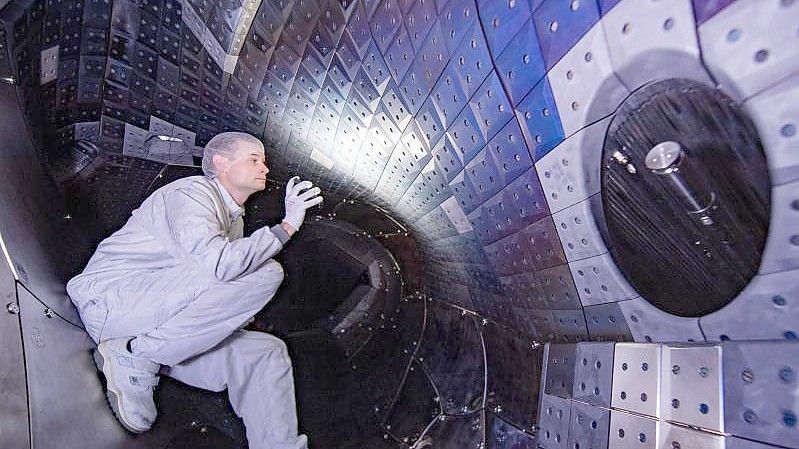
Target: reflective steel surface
column 480, row 300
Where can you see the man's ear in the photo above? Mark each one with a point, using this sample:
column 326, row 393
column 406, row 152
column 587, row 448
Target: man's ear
column 220, row 163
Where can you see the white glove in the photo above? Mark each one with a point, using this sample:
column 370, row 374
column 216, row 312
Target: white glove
column 297, row 203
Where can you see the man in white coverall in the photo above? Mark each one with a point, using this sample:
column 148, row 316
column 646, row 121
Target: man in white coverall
column 170, row 291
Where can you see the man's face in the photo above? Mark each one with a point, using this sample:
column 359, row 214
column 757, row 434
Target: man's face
column 248, row 170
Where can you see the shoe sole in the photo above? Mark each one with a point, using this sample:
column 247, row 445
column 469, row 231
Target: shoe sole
column 112, row 395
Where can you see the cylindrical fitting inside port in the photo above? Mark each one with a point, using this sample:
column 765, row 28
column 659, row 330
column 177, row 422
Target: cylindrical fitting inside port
column 670, row 159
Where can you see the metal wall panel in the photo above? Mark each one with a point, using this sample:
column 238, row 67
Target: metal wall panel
column 50, row 341
column 760, row 391
column 14, row 411
column 749, row 45
column 648, row 40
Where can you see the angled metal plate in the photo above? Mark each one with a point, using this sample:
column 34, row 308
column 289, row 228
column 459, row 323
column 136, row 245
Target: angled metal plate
column 589, row 426
column 557, row 288
column 419, row 19
column 606, row 322
column 760, row 393
column 509, row 152
column 538, row 116
column 387, row 18
column 782, row 244
column 399, row 56
column 560, row 25
column 648, row 323
column 484, row 175
column 501, row 20
column 768, row 299
column 491, row 106
column 456, row 18
column 448, row 95
column 48, row 65
column 542, row 245
column 692, row 386
column 472, row 60
column 653, row 40
column 628, row 431
column 553, row 422
column 584, row 84
column 561, row 361
column 570, row 173
column 637, row 378
column 776, row 116
column 521, row 65
column 578, row 231
column 685, row 438
column 570, row 325
column 525, row 201
column 751, row 45
column 466, row 135
column 502, row 435
column 593, row 373
column 429, row 121
column 599, row 281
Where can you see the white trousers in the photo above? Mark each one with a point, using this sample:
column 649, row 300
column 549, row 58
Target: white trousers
column 191, row 325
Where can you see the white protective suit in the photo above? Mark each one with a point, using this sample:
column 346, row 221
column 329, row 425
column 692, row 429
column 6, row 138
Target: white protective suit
column 181, row 278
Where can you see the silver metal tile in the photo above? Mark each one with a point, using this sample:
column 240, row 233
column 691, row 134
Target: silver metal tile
column 472, row 60
column 557, row 287
column 760, row 393
column 692, row 386
column 653, row 40
column 578, row 231
column 584, row 84
column 637, row 379
column 48, row 65
column 542, row 245
column 554, row 420
column 491, row 106
column 606, row 322
column 676, row 436
column 570, row 325
column 769, row 298
column 561, row 360
column 589, row 426
column 133, row 144
column 776, row 116
column 599, row 281
column 648, row 323
column 570, row 173
column 782, row 244
column 628, row 431
column 593, row 373
column 751, row 44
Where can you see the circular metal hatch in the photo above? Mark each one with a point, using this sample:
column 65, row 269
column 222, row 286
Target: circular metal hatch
column 685, row 196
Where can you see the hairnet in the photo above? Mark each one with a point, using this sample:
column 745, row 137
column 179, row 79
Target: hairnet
column 225, row 144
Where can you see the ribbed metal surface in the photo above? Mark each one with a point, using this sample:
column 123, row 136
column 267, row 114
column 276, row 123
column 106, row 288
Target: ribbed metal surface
column 477, row 126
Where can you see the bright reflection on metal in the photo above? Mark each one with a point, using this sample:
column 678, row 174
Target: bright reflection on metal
column 8, row 258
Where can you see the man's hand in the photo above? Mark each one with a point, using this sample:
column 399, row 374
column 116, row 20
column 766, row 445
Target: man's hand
column 297, row 203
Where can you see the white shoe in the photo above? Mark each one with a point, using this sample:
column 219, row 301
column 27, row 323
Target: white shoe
column 130, row 382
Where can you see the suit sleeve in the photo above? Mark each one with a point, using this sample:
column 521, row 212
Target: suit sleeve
column 198, row 237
